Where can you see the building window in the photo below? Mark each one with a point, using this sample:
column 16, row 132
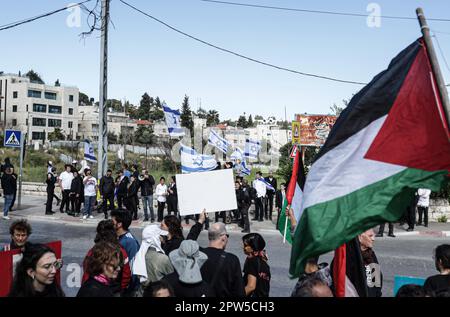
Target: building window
column 55, row 109
column 56, row 123
column 14, row 108
column 50, row 95
column 39, row 122
column 39, row 108
column 70, row 111
column 27, row 108
column 71, row 98
column 26, row 122
column 15, row 93
column 14, row 122
column 38, row 135
column 34, row 93
column 70, row 124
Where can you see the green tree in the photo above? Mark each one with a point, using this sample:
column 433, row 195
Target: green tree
column 336, row 110
column 250, row 122
column 115, row 104
column 144, row 135
column 242, row 122
column 57, row 83
column 84, row 99
column 258, row 117
column 186, row 115
column 131, row 110
column 56, row 135
column 145, row 106
column 201, row 113
column 157, row 112
column 34, row 77
column 212, row 118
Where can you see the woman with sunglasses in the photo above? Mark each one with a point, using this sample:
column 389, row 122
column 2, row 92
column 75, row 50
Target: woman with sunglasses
column 103, row 267
column 36, row 273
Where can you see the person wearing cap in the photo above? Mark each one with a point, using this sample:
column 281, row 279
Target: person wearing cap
column 90, row 193
column 50, row 181
column 151, row 263
column 65, row 182
column 74, row 165
column 222, row 270
column 256, row 269
column 187, row 280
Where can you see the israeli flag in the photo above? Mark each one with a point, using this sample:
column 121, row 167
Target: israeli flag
column 89, row 154
column 173, row 122
column 237, row 155
column 268, row 185
column 252, row 148
column 217, row 141
column 192, row 162
column 244, row 169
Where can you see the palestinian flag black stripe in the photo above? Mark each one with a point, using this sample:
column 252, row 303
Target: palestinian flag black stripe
column 373, row 101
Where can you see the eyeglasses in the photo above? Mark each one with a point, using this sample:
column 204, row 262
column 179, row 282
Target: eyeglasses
column 225, row 234
column 58, row 264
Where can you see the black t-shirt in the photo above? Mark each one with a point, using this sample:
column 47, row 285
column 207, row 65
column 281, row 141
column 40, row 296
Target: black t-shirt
column 437, row 283
column 229, row 280
column 181, row 289
column 260, row 269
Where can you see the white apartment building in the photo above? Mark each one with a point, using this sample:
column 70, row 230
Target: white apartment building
column 88, row 123
column 37, row 109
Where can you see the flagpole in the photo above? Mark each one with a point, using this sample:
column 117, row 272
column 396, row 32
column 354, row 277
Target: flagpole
column 434, row 63
column 285, row 226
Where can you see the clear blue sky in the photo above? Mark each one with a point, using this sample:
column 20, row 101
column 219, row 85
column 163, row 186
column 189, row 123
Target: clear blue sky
column 147, row 57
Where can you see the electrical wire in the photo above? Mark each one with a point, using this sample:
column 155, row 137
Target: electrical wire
column 28, row 20
column 240, row 55
column 441, row 51
column 318, row 11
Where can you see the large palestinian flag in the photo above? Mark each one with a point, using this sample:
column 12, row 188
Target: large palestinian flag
column 391, row 139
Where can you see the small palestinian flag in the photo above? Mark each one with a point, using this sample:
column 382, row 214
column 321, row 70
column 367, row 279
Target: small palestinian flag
column 391, row 139
column 294, row 196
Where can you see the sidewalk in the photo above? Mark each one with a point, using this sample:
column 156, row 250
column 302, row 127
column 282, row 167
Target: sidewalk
column 33, row 209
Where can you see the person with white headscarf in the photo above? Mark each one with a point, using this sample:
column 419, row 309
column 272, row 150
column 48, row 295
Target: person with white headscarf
column 151, row 264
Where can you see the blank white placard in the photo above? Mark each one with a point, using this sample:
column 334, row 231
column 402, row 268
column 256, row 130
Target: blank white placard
column 213, row 191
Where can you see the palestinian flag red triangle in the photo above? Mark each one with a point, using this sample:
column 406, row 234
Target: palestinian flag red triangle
column 415, row 132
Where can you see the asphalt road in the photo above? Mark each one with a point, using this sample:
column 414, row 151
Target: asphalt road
column 409, row 256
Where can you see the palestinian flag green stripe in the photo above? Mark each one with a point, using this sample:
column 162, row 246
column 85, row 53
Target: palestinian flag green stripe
column 282, row 222
column 341, row 219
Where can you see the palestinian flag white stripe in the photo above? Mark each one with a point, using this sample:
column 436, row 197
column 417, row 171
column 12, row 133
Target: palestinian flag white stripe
column 344, row 169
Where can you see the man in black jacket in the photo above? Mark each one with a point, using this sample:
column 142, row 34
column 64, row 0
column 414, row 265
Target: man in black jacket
column 132, row 196
column 147, row 195
column 51, row 181
column 269, row 195
column 9, row 185
column 107, row 192
column 222, row 270
column 122, row 188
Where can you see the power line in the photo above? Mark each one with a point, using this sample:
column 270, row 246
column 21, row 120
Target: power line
column 17, row 23
column 240, row 55
column 319, row 11
column 442, row 52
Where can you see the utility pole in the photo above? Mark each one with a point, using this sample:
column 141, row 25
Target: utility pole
column 434, row 64
column 103, row 96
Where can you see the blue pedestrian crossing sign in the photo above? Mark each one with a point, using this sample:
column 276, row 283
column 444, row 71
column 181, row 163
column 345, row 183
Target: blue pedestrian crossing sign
column 12, row 138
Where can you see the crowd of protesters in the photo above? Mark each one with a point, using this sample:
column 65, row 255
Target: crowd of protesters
column 165, row 264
